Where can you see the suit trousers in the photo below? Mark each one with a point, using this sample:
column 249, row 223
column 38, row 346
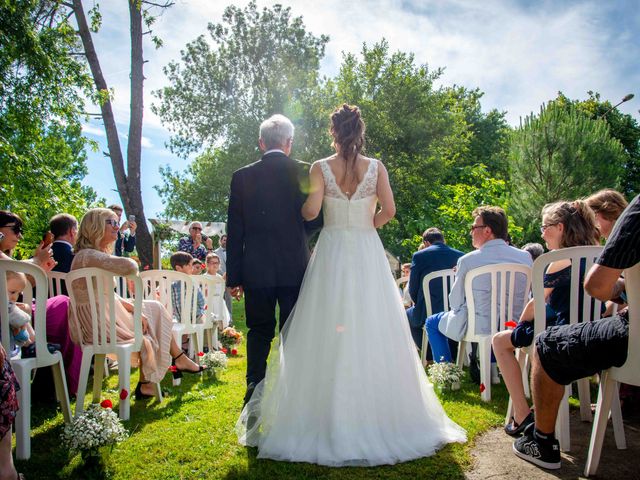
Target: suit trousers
column 260, row 308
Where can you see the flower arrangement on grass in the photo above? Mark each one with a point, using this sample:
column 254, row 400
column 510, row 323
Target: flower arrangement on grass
column 229, row 338
column 445, row 375
column 96, row 427
column 214, row 361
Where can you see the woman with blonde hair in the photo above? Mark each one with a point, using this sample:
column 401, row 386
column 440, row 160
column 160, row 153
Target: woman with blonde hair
column 97, row 233
column 564, row 224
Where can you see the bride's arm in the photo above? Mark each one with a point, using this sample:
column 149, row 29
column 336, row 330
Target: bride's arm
column 385, row 198
column 313, row 204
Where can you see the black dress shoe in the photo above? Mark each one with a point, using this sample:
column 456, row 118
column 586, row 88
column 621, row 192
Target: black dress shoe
column 515, row 430
column 247, row 396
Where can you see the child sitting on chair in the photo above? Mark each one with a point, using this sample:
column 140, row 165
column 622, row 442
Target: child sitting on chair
column 19, row 313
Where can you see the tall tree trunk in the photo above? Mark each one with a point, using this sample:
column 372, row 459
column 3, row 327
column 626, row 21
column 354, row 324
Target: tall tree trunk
column 128, row 183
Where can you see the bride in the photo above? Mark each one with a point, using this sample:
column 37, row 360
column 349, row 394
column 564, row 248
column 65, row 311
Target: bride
column 346, row 386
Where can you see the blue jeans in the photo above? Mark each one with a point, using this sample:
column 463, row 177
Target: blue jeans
column 439, row 343
column 416, row 330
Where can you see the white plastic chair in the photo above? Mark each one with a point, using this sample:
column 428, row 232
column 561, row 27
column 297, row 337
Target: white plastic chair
column 156, row 285
column 24, row 366
column 102, row 300
column 505, row 291
column 446, row 277
column 588, row 309
column 207, row 286
column 56, row 283
column 610, row 379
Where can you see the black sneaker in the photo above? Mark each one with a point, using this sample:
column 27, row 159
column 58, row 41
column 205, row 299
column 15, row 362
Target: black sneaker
column 543, row 454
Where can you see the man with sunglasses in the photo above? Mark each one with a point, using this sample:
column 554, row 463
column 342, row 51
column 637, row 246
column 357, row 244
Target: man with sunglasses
column 126, row 242
column 489, row 234
column 193, row 244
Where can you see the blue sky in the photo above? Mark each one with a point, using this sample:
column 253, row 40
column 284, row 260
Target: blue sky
column 519, row 53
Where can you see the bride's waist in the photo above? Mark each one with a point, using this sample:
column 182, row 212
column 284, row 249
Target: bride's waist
column 333, row 227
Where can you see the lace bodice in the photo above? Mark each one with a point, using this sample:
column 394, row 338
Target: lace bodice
column 357, row 211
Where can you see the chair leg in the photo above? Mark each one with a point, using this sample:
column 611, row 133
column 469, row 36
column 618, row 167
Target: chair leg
column 585, row 400
column 425, row 346
column 158, row 392
column 23, row 417
column 462, row 351
column 616, row 418
column 124, row 381
column 82, row 383
column 605, row 397
column 484, row 351
column 60, row 383
column 563, row 433
column 98, row 373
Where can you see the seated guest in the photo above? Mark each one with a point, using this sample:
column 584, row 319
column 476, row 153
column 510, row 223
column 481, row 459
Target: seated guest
column 564, row 225
column 489, row 235
column 608, row 205
column 435, row 255
column 403, row 285
column 213, row 265
column 98, row 231
column 534, row 249
column 64, row 228
column 196, row 267
column 567, row 353
column 19, row 313
column 57, row 307
column 126, row 241
column 193, row 243
column 183, row 262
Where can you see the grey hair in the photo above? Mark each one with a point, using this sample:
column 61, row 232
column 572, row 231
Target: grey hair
column 275, row 131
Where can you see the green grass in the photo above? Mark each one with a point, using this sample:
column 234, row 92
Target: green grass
column 191, row 436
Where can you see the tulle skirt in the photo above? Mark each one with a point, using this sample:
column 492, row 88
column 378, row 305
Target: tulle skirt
column 344, row 384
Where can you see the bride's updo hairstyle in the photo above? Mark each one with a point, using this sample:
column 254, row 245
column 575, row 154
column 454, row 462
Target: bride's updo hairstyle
column 347, row 129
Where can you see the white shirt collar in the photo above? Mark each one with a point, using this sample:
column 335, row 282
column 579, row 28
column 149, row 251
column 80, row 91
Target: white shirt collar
column 272, row 151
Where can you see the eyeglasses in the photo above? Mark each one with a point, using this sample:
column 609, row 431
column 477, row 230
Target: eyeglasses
column 196, row 228
column 112, row 222
column 15, row 228
column 473, row 227
column 544, row 227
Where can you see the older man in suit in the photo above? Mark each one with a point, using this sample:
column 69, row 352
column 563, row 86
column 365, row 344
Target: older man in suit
column 435, row 256
column 267, row 250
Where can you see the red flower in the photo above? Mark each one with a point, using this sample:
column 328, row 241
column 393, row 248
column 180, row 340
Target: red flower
column 482, row 387
column 146, row 267
column 173, row 368
column 510, row 324
column 106, row 403
column 224, row 350
column 201, row 354
column 124, row 394
column 203, row 266
column 234, row 352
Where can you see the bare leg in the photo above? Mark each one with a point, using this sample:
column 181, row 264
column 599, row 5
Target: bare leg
column 7, row 470
column 182, row 361
column 511, row 373
column 547, row 396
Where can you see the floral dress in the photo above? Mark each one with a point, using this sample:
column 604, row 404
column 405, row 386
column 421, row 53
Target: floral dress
column 8, row 399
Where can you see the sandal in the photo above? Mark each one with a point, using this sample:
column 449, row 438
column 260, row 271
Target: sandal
column 138, row 392
column 515, row 430
column 177, row 373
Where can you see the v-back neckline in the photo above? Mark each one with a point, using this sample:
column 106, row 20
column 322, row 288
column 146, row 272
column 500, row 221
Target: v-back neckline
column 360, row 183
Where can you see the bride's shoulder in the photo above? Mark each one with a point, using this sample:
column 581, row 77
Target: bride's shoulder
column 374, row 162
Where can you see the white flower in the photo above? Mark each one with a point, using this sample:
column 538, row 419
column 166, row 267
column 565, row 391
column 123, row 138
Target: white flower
column 445, row 373
column 214, row 360
column 95, row 427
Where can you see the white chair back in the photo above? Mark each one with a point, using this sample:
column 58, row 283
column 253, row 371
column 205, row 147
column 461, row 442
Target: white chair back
column 43, row 358
column 156, row 285
column 581, row 258
column 57, row 285
column 510, row 284
column 445, row 277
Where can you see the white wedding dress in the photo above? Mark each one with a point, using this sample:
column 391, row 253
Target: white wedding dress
column 345, row 385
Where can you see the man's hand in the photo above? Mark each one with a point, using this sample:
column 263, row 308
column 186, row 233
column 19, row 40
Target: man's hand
column 209, row 243
column 197, row 241
column 132, row 227
column 236, row 292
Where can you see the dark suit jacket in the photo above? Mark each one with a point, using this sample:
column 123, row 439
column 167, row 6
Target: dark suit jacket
column 124, row 243
column 63, row 254
column 433, row 258
column 266, row 234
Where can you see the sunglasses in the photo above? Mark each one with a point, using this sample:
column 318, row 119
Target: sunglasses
column 15, row 228
column 196, row 228
column 112, row 222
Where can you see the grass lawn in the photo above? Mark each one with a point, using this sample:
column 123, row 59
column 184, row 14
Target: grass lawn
column 191, row 436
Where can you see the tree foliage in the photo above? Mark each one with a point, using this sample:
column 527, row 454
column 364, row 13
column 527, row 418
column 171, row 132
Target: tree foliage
column 42, row 151
column 560, row 154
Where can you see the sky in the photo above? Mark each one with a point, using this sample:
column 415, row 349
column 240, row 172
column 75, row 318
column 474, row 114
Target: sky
column 520, row 53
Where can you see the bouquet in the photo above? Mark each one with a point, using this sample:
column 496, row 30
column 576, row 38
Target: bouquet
column 229, row 338
column 214, row 361
column 96, row 427
column 445, row 375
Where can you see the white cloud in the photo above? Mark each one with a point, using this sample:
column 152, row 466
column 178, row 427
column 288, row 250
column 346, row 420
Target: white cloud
column 92, row 130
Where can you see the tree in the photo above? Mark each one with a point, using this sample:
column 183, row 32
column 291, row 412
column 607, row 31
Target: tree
column 127, row 180
column 42, row 151
column 558, row 155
